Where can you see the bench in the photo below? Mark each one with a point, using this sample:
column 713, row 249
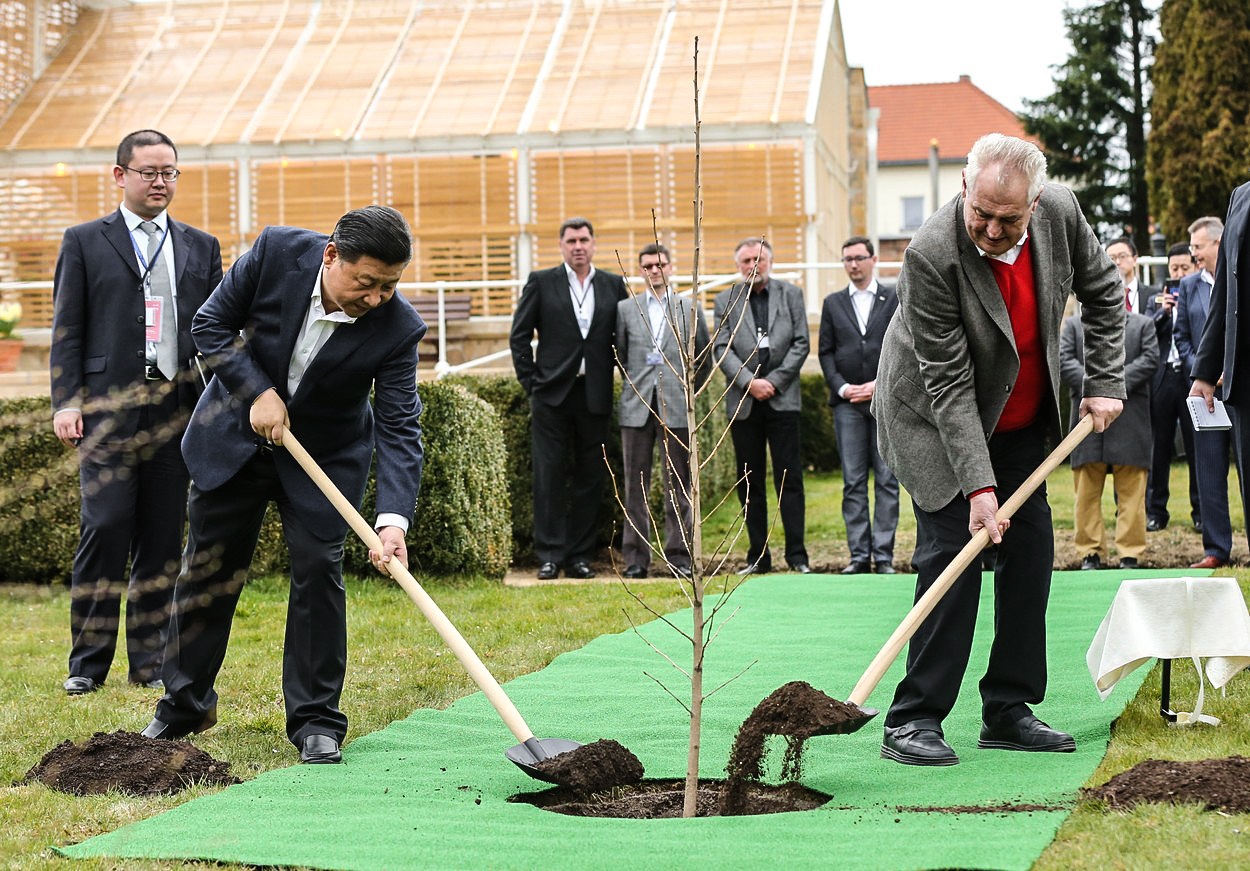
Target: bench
column 456, row 307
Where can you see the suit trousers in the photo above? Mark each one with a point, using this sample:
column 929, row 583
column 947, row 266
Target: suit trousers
column 569, row 471
column 1211, row 448
column 856, row 431
column 762, row 430
column 1130, row 514
column 937, row 656
column 1167, row 406
column 1241, row 451
column 134, row 499
column 224, row 526
column 638, row 447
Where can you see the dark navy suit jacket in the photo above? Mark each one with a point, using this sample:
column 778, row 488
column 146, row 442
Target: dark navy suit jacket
column 248, row 329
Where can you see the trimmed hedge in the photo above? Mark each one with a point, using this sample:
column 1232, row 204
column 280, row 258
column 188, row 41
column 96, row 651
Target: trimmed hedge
column 461, row 525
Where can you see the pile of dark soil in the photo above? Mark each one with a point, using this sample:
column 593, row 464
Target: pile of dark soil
column 664, row 799
column 795, row 711
column 593, row 767
column 127, row 762
column 1216, row 784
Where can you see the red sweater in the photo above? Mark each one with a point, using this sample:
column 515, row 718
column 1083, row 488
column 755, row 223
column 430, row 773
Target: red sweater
column 1015, row 282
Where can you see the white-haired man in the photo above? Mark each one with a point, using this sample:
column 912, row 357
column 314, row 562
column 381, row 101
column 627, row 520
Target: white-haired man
column 967, row 395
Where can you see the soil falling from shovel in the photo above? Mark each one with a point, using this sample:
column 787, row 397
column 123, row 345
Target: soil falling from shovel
column 127, row 762
column 593, row 767
column 796, row 711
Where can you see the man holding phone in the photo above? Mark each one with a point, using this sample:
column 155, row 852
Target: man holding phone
column 1167, row 399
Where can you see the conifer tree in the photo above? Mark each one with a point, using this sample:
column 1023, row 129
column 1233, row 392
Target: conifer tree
column 1199, row 148
column 1093, row 127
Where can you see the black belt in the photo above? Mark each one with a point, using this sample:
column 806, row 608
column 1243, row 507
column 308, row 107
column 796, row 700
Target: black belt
column 1175, row 367
column 152, row 373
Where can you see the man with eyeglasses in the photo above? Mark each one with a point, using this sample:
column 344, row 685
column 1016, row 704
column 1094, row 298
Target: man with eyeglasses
column 652, row 339
column 852, row 327
column 123, row 386
column 1211, row 447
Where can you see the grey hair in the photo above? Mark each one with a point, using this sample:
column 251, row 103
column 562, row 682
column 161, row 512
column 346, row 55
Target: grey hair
column 1007, row 153
column 1213, row 226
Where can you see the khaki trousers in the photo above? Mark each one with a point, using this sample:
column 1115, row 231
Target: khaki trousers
column 1130, row 523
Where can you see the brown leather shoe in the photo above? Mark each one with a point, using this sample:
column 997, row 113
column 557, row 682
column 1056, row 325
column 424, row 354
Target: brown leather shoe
column 1208, row 562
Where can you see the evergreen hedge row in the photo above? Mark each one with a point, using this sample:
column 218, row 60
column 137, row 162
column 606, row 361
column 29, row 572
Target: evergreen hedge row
column 461, row 525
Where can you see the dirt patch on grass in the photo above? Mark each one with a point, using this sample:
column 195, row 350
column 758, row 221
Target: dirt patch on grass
column 1216, row 784
column 127, row 762
column 662, row 799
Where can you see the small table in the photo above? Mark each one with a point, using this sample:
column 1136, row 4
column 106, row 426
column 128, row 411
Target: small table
column 1173, row 618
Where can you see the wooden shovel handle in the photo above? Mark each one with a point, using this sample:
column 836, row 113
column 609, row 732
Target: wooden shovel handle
column 878, row 667
column 472, row 664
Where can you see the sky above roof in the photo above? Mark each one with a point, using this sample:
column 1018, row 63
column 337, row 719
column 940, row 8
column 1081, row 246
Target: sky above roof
column 1008, row 55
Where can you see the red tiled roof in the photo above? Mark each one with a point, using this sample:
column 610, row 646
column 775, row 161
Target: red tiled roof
column 956, row 114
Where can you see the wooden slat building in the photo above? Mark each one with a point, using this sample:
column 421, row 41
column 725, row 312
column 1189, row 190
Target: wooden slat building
column 485, row 121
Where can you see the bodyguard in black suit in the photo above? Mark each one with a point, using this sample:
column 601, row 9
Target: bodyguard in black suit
column 1219, row 352
column 322, row 327
column 122, row 390
column 852, row 325
column 572, row 308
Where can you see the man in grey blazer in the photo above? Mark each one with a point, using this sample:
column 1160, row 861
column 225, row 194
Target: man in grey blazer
column 125, row 408
column 652, row 337
column 760, row 343
column 966, row 401
column 852, row 326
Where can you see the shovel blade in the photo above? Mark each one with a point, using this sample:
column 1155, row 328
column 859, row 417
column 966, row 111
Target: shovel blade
column 854, row 724
column 527, row 755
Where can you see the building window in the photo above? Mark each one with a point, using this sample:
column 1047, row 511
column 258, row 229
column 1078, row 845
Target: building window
column 913, row 213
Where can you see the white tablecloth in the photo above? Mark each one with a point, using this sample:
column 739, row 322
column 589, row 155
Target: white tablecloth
column 1172, row 618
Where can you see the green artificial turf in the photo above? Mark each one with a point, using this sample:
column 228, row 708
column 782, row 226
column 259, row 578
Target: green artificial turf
column 432, row 791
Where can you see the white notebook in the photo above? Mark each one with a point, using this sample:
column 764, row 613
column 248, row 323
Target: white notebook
column 1205, row 420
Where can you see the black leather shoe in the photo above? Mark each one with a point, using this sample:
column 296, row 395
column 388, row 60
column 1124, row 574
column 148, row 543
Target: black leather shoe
column 548, row 572
column 158, row 728
column 756, row 568
column 857, row 568
column 320, row 750
column 580, row 570
column 1198, row 525
column 635, row 571
column 683, row 572
column 1154, row 524
column 1027, row 733
column 80, row 686
column 885, row 569
column 1128, row 562
column 915, row 744
column 154, row 684
column 1091, row 563
column 801, row 568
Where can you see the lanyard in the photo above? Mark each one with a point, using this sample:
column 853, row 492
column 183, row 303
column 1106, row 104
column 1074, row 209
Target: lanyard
column 147, row 267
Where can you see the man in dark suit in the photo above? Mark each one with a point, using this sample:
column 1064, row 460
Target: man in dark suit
column 1218, row 367
column 967, row 398
column 1167, row 401
column 572, row 308
column 1211, row 447
column 322, row 327
column 852, row 325
column 127, row 286
column 652, row 332
column 760, row 343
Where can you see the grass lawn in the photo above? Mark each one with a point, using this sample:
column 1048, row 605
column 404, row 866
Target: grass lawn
column 397, row 664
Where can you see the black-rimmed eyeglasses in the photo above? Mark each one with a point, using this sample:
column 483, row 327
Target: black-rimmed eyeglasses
column 858, row 258
column 151, row 174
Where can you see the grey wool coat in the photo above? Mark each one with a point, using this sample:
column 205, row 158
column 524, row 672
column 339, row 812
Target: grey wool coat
column 657, row 387
column 1128, row 441
column 949, row 361
column 734, row 345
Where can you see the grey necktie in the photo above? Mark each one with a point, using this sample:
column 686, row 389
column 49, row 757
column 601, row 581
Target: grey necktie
column 167, row 348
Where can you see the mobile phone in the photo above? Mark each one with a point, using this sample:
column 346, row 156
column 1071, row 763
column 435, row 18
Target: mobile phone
column 1170, row 286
